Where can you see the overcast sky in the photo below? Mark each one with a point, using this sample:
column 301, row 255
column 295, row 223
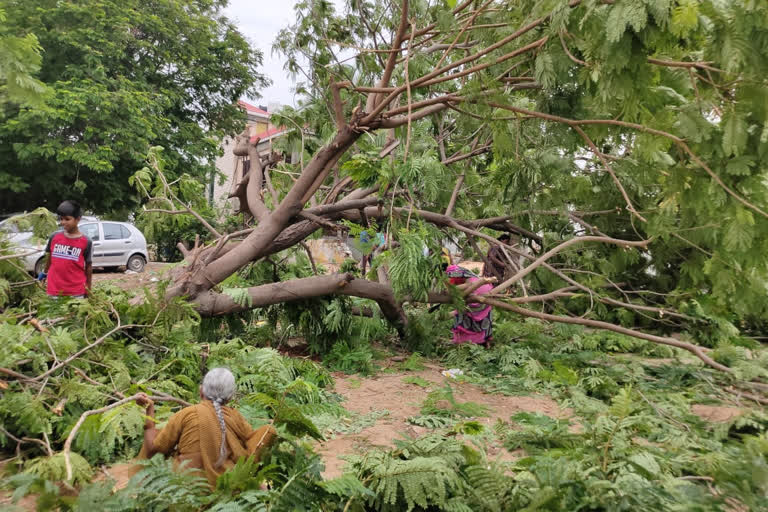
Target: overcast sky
column 260, row 21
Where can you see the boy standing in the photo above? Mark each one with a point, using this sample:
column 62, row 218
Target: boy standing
column 68, row 256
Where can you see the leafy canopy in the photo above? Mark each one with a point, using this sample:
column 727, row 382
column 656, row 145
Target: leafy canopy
column 693, row 70
column 124, row 76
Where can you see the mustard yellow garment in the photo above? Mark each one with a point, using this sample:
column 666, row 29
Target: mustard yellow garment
column 193, row 434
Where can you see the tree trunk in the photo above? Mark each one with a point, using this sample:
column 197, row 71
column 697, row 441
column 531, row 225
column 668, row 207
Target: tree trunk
column 204, row 276
column 211, row 303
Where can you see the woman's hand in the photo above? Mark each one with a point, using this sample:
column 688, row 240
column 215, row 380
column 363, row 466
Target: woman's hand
column 143, row 400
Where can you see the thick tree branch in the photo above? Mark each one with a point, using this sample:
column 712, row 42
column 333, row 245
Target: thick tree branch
column 394, row 122
column 213, row 304
column 254, row 191
column 338, row 106
column 265, row 233
column 694, row 349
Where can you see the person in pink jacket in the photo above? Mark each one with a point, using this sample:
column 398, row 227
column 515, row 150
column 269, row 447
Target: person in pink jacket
column 474, row 324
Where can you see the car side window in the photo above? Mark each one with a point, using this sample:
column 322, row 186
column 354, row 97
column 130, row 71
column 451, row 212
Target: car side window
column 124, row 231
column 90, row 230
column 112, row 231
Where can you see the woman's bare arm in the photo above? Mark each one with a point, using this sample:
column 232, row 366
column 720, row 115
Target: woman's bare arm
column 150, row 430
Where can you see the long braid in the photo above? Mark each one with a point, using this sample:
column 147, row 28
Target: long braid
column 219, row 387
column 223, row 448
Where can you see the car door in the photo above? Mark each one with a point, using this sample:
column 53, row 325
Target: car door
column 115, row 244
column 91, row 230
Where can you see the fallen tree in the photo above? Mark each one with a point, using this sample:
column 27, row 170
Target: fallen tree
column 572, row 123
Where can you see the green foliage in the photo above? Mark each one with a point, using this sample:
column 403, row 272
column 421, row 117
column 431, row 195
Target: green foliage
column 25, row 414
column 339, row 421
column 538, row 430
column 441, row 402
column 350, row 359
column 418, row 381
column 20, row 61
column 347, row 486
column 414, row 363
column 104, row 435
column 420, row 477
column 246, row 475
column 616, row 67
column 159, row 487
column 47, row 492
column 636, row 436
column 431, row 421
column 239, row 295
column 15, row 282
column 40, row 222
column 162, row 230
column 411, row 271
column 627, row 438
column 434, row 473
column 112, row 96
column 53, row 468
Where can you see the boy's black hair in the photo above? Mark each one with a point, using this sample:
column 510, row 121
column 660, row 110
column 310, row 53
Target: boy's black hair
column 504, row 236
column 70, row 208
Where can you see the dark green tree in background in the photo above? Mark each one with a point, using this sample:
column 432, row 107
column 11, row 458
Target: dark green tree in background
column 123, row 76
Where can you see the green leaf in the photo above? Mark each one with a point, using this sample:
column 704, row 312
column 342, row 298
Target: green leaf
column 685, row 18
column 623, row 14
column 545, row 70
column 740, row 166
column 647, row 463
column 734, row 134
column 738, row 236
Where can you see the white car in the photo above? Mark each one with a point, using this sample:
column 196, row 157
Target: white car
column 115, row 244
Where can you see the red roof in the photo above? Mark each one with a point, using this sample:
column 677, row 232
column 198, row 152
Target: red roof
column 275, row 130
column 252, row 108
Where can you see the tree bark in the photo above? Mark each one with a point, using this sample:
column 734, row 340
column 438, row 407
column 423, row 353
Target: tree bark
column 206, row 276
column 211, row 303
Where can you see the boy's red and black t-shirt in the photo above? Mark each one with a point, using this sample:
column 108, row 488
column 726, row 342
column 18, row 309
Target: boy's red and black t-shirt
column 66, row 273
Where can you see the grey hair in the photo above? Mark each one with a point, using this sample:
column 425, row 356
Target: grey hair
column 219, row 388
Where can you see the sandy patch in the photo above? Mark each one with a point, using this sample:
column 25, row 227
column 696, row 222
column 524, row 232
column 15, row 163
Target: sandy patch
column 402, row 400
column 133, row 281
column 716, row 413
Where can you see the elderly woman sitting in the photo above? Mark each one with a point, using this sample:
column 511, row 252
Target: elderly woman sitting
column 210, row 436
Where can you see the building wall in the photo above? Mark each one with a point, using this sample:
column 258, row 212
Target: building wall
column 225, row 164
column 259, row 127
column 228, row 164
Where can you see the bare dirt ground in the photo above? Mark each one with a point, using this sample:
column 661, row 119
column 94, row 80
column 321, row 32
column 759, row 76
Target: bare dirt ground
column 153, row 272
column 716, row 413
column 388, row 392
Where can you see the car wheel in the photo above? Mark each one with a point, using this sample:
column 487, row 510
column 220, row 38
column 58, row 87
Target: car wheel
column 136, row 263
column 39, row 266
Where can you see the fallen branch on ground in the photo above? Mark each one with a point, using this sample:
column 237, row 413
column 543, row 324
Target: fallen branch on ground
column 693, row 349
column 73, row 433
